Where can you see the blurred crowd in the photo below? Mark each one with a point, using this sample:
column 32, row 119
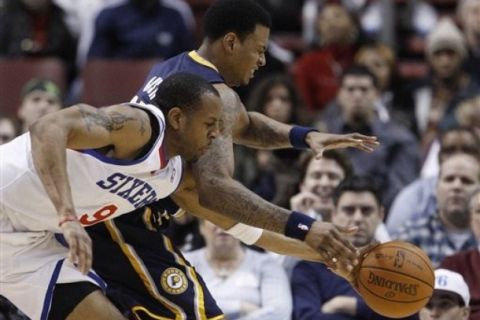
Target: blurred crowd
column 405, row 71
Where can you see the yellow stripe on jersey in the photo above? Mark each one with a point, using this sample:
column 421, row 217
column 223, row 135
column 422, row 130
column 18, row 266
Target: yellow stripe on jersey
column 199, row 298
column 199, row 59
column 220, row 317
column 146, row 216
column 142, row 271
column 137, row 309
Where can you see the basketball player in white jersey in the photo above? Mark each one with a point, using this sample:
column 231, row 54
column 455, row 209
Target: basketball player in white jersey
column 83, row 165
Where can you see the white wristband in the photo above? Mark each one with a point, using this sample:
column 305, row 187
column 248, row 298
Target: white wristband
column 247, row 234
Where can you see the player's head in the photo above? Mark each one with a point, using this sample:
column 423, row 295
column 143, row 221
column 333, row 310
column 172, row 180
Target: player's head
column 450, row 299
column 193, row 109
column 39, row 97
column 241, row 29
column 357, row 203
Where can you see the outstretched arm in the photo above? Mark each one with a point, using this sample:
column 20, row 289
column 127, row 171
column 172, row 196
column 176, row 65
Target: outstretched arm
column 77, row 127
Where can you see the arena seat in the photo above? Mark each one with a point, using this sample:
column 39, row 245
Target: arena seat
column 14, row 73
column 108, row 82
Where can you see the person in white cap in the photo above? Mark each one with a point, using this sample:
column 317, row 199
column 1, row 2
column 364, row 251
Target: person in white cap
column 450, row 299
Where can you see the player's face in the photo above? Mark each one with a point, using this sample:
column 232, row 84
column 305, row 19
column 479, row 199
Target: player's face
column 37, row 104
column 459, row 176
column 444, row 306
column 249, row 55
column 358, row 209
column 201, row 127
column 475, row 215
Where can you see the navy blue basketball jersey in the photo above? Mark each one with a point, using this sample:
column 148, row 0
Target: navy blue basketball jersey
column 190, row 62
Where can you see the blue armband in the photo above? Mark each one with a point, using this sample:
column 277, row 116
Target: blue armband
column 298, row 225
column 297, row 136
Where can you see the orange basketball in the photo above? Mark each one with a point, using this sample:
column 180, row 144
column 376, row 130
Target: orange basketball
column 396, row 279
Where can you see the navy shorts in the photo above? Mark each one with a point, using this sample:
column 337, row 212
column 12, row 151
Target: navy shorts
column 147, row 278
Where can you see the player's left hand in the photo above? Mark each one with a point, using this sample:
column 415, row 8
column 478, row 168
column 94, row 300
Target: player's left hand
column 320, row 142
column 80, row 245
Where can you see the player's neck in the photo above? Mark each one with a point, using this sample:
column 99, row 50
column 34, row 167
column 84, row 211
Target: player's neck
column 210, row 52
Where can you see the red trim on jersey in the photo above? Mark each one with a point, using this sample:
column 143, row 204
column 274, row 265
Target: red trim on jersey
column 163, row 157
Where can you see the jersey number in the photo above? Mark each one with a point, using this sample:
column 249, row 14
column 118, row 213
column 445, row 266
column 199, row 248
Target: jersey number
column 98, row 216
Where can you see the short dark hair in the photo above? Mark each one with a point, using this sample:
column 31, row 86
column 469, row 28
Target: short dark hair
column 357, row 184
column 238, row 16
column 183, row 90
column 472, row 150
column 359, row 71
column 336, row 155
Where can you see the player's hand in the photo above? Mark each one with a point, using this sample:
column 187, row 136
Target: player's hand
column 331, row 242
column 80, row 245
column 320, row 142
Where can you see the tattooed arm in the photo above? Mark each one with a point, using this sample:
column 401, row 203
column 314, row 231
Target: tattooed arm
column 81, row 127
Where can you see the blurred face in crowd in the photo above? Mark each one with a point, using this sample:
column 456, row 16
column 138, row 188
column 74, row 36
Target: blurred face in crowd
column 37, row 5
column 220, row 244
column 278, row 104
column 459, row 141
column 444, row 305
column 468, row 115
column 470, row 18
column 446, row 63
column 356, row 97
column 475, row 215
column 378, row 65
column 37, row 104
column 459, row 176
column 322, row 177
column 7, row 130
column 359, row 209
column 335, row 25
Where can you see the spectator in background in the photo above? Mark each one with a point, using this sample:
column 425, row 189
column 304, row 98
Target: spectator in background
column 318, row 179
column 269, row 173
column 469, row 17
column 317, row 72
column 468, row 114
column 435, row 99
column 36, row 28
column 418, row 199
column 8, row 129
column 317, row 292
column 447, row 231
column 450, row 299
column 395, row 162
column 466, row 262
column 140, row 29
column 39, row 97
column 246, row 284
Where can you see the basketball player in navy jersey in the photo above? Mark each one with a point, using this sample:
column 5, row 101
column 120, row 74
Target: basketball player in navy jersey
column 233, row 49
column 83, row 165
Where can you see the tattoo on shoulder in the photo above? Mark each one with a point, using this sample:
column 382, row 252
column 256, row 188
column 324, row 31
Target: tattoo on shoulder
column 111, row 122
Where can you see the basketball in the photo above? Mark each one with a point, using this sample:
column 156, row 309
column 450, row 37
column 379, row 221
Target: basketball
column 395, row 279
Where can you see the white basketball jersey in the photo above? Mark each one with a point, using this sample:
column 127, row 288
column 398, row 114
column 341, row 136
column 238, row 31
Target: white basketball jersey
column 102, row 187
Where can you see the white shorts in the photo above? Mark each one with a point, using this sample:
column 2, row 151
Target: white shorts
column 31, row 263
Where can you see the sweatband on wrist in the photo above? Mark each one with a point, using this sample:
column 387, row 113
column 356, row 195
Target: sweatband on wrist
column 66, row 218
column 245, row 233
column 298, row 225
column 297, row 136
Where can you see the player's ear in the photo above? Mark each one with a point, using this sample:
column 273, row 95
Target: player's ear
column 176, row 118
column 229, row 42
